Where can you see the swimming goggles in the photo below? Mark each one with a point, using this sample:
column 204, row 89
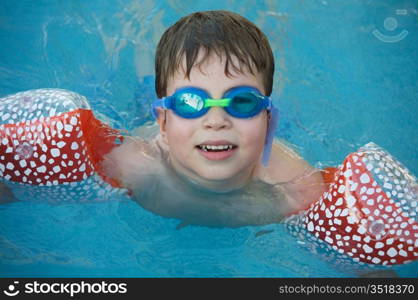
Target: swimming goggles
column 191, row 102
column 240, row 102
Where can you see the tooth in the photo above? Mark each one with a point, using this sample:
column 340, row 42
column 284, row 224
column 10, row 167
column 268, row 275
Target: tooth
column 216, row 147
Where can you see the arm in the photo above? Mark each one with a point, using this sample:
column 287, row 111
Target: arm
column 300, row 182
column 6, row 194
column 305, row 189
column 133, row 162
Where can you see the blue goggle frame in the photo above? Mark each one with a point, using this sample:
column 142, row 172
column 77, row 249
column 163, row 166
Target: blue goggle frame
column 192, row 102
column 198, row 102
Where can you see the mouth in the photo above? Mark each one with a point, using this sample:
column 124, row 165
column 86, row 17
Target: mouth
column 217, row 150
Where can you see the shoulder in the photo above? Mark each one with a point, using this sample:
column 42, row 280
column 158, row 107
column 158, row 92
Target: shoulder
column 285, row 164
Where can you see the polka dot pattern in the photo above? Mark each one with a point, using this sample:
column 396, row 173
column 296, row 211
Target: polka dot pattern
column 39, row 104
column 369, row 212
column 40, row 152
column 46, row 139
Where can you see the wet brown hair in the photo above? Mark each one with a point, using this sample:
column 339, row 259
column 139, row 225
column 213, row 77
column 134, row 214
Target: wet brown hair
column 221, row 32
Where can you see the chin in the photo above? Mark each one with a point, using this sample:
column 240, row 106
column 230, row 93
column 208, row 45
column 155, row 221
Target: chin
column 218, row 173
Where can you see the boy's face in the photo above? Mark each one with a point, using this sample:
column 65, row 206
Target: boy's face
column 216, row 170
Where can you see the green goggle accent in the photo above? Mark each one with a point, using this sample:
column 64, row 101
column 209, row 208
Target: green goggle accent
column 217, row 102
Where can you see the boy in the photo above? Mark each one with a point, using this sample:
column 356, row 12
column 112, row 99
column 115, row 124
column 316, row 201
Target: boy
column 204, row 167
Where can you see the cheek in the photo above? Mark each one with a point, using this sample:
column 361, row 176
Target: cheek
column 179, row 131
column 253, row 133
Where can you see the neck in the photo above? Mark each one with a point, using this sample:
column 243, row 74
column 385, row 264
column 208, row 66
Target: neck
column 215, row 186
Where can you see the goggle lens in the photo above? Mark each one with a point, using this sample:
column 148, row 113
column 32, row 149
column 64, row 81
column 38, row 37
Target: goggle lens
column 242, row 105
column 188, row 104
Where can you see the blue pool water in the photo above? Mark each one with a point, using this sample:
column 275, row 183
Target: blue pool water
column 346, row 75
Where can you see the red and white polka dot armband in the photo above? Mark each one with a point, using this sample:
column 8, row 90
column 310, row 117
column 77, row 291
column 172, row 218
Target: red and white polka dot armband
column 51, row 146
column 369, row 212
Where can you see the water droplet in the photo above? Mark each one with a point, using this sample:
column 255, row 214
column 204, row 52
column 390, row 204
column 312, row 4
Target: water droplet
column 24, row 151
column 377, row 228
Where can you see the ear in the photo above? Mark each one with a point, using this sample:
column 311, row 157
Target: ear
column 161, row 120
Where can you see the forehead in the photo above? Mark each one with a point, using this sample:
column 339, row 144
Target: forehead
column 212, row 62
column 208, row 72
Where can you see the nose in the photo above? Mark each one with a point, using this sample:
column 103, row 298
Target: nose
column 216, row 118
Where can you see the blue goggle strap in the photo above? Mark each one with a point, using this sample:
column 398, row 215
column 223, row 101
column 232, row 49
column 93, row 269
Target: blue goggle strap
column 272, row 125
column 158, row 103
